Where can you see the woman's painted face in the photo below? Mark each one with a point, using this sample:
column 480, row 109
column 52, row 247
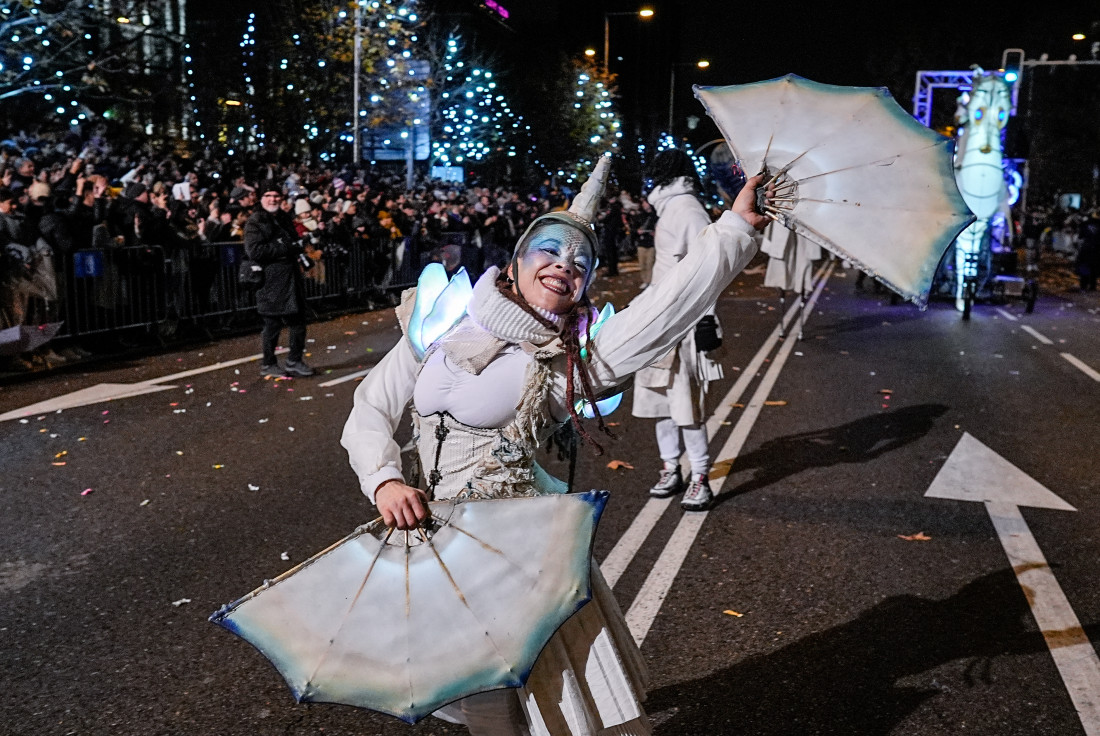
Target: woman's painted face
column 554, row 268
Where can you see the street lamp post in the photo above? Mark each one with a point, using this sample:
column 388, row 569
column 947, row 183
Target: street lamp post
column 355, row 63
column 644, row 14
column 702, row 64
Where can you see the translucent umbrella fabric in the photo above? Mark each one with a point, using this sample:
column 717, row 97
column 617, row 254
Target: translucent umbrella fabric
column 23, row 338
column 406, row 622
column 854, row 172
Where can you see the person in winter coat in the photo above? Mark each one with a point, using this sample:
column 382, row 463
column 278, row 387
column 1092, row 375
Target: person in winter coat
column 271, row 241
column 671, row 389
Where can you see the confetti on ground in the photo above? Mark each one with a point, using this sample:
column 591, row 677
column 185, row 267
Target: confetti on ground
column 24, row 421
column 886, row 391
column 144, row 503
column 60, row 463
column 262, row 421
column 253, row 488
column 918, row 537
column 218, row 467
column 81, row 439
column 733, row 613
column 775, row 403
column 284, row 556
column 616, row 464
column 290, row 428
column 86, row 491
column 181, row 602
column 738, row 406
column 63, row 453
column 179, row 452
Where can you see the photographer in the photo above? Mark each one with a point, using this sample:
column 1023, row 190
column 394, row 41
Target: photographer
column 270, row 239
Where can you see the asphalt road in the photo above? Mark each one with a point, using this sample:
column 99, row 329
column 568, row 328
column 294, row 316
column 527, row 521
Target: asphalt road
column 824, row 593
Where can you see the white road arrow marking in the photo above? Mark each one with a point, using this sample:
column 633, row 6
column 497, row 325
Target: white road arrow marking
column 974, row 472
column 108, row 391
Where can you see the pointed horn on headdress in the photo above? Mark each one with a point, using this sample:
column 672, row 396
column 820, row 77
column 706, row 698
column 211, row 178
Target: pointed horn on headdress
column 587, row 202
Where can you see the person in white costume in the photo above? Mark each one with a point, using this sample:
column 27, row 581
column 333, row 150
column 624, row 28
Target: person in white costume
column 498, row 384
column 791, row 260
column 672, row 389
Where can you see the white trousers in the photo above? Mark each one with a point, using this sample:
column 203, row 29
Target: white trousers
column 694, row 437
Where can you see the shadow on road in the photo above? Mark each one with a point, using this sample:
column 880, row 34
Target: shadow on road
column 855, row 442
column 851, row 679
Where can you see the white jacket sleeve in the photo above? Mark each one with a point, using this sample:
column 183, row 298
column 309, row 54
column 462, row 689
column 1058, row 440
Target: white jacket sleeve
column 662, row 315
column 380, row 402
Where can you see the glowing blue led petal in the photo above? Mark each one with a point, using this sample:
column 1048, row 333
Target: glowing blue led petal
column 606, row 406
column 607, row 311
column 432, row 282
column 445, row 311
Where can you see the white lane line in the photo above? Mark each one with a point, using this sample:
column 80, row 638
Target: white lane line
column 1082, row 366
column 616, row 562
column 1073, row 653
column 343, row 379
column 1037, row 335
column 643, row 611
column 1007, row 315
column 214, row 367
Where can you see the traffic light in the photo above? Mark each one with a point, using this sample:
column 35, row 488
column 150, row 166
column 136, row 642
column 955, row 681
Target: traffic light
column 1012, row 64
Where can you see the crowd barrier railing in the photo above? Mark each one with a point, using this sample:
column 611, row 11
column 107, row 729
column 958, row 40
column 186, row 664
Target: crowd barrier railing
column 124, row 288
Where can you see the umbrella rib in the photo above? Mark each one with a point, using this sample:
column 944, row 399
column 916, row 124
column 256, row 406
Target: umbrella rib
column 351, row 606
column 876, row 162
column 461, row 597
column 487, row 546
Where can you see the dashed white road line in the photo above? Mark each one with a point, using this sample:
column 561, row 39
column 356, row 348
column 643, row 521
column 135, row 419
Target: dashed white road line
column 1082, row 366
column 1007, row 315
column 343, row 379
column 1037, row 335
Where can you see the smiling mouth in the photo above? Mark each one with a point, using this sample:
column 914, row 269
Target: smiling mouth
column 555, row 285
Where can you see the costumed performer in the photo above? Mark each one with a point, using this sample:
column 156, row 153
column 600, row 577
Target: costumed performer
column 673, row 388
column 501, row 382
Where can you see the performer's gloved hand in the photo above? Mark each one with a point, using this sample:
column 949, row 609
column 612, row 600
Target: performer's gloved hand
column 401, row 506
column 745, row 204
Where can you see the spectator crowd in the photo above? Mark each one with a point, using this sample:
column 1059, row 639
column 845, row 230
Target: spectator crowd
column 93, row 192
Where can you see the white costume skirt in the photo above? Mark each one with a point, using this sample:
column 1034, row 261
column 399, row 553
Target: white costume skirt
column 589, row 681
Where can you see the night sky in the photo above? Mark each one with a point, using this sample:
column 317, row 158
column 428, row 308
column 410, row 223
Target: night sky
column 837, row 42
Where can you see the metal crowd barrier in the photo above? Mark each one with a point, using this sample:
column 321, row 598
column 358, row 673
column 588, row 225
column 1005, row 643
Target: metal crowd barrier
column 148, row 287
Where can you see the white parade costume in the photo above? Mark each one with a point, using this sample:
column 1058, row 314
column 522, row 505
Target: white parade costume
column 674, row 385
column 485, row 396
column 790, row 259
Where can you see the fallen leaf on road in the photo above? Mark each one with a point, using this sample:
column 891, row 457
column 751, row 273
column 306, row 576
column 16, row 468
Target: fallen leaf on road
column 720, row 469
column 733, row 613
column 616, row 464
column 918, row 537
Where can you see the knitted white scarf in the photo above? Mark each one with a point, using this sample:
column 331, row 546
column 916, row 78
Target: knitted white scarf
column 494, row 321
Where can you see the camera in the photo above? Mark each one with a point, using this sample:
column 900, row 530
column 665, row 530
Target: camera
column 305, row 261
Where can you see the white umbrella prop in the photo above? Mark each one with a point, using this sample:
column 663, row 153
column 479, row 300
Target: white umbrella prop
column 406, row 622
column 853, row 172
column 24, row 338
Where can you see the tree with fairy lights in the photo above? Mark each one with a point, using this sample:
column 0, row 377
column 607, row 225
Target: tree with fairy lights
column 312, row 89
column 594, row 124
column 472, row 121
column 71, row 60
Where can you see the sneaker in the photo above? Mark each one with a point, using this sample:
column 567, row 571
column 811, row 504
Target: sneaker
column 271, row 369
column 670, row 482
column 298, row 368
column 698, row 496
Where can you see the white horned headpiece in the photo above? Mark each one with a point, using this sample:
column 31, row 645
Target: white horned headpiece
column 579, row 217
